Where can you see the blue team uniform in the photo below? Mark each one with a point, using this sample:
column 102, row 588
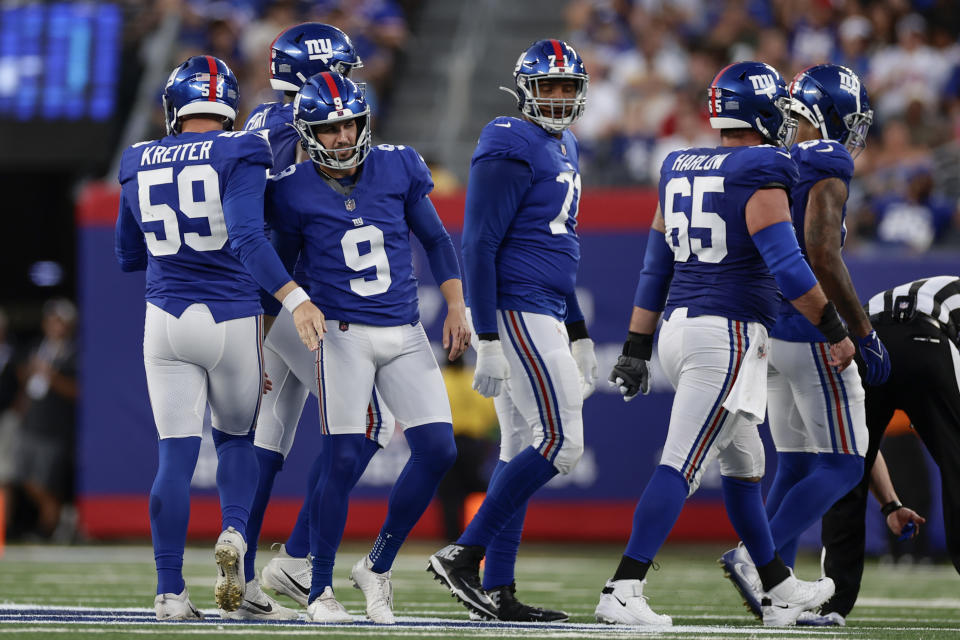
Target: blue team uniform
column 276, row 118
column 816, row 160
column 360, row 265
column 720, row 275
column 522, row 254
column 204, row 249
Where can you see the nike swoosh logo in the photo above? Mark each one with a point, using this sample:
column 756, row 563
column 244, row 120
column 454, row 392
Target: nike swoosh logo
column 505, row 125
column 265, row 608
column 304, row 590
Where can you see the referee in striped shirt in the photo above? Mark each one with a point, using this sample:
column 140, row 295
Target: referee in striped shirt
column 918, row 323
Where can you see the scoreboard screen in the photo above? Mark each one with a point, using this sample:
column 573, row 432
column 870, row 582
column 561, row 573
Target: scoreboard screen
column 59, row 75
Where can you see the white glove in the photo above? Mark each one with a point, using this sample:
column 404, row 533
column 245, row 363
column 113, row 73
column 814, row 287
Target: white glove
column 583, row 353
column 492, row 369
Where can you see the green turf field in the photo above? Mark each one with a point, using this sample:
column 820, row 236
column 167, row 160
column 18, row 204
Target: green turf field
column 79, row 583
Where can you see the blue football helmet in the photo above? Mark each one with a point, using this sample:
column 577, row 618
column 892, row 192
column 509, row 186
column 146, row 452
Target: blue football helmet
column 833, row 99
column 550, row 60
column 307, row 49
column 327, row 98
column 752, row 95
column 201, row 85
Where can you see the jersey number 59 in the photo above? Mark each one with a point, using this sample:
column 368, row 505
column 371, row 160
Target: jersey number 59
column 683, row 221
column 209, row 208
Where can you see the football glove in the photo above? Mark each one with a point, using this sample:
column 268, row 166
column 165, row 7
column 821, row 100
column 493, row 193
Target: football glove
column 586, row 358
column 876, row 358
column 492, row 369
column 631, row 374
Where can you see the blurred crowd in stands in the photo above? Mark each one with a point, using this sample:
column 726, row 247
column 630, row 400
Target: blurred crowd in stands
column 651, row 60
column 38, row 406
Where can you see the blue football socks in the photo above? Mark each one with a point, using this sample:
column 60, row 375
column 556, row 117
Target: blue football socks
column 170, row 509
column 829, row 480
column 432, row 453
column 340, row 456
column 791, row 468
column 270, row 464
column 656, row 513
column 744, row 503
column 237, row 477
column 501, row 557
column 519, row 479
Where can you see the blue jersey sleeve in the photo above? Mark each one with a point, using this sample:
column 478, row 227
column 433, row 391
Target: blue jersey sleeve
column 421, row 182
column 501, row 139
column 574, row 312
column 243, row 212
column 824, row 159
column 494, row 193
column 766, row 166
column 130, row 246
column 423, row 220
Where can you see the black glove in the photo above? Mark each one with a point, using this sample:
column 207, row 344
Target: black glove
column 631, row 375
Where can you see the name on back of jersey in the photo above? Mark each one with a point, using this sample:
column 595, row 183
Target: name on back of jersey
column 189, row 151
column 696, row 162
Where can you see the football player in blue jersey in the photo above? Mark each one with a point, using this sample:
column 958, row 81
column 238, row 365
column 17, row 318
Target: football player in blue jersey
column 817, row 415
column 296, row 54
column 720, row 250
column 521, row 254
column 349, row 211
column 191, row 214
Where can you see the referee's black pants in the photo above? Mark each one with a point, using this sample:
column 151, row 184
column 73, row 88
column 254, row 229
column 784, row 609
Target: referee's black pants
column 923, row 383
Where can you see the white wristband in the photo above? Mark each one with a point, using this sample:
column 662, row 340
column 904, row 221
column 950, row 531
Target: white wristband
column 295, row 298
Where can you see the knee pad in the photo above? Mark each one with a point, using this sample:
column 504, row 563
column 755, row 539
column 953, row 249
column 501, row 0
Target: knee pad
column 565, row 449
column 743, row 456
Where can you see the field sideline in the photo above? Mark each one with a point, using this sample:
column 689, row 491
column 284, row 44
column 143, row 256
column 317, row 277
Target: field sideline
column 105, row 591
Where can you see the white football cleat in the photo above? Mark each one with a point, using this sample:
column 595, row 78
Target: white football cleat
column 289, row 576
column 175, row 606
column 811, row 619
column 376, row 588
column 257, row 605
column 739, row 568
column 623, row 602
column 327, row 609
column 228, row 553
column 784, row 603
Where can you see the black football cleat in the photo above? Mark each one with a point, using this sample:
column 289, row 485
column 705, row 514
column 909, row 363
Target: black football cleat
column 509, row 609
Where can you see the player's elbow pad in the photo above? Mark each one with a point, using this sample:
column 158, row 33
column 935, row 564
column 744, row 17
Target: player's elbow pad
column 656, row 273
column 778, row 246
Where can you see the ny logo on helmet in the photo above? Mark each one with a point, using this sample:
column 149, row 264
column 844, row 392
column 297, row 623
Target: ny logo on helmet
column 763, row 85
column 321, row 49
column 850, row 83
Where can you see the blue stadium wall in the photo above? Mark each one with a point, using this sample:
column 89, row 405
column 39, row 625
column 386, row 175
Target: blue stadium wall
column 117, row 438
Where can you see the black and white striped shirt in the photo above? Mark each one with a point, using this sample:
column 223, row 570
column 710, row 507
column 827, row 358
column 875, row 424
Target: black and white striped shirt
column 938, row 298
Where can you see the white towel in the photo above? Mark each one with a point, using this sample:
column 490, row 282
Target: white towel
column 749, row 394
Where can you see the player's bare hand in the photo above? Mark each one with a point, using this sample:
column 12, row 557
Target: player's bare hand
column 899, row 522
column 311, row 325
column 456, row 332
column 841, row 354
column 267, row 383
